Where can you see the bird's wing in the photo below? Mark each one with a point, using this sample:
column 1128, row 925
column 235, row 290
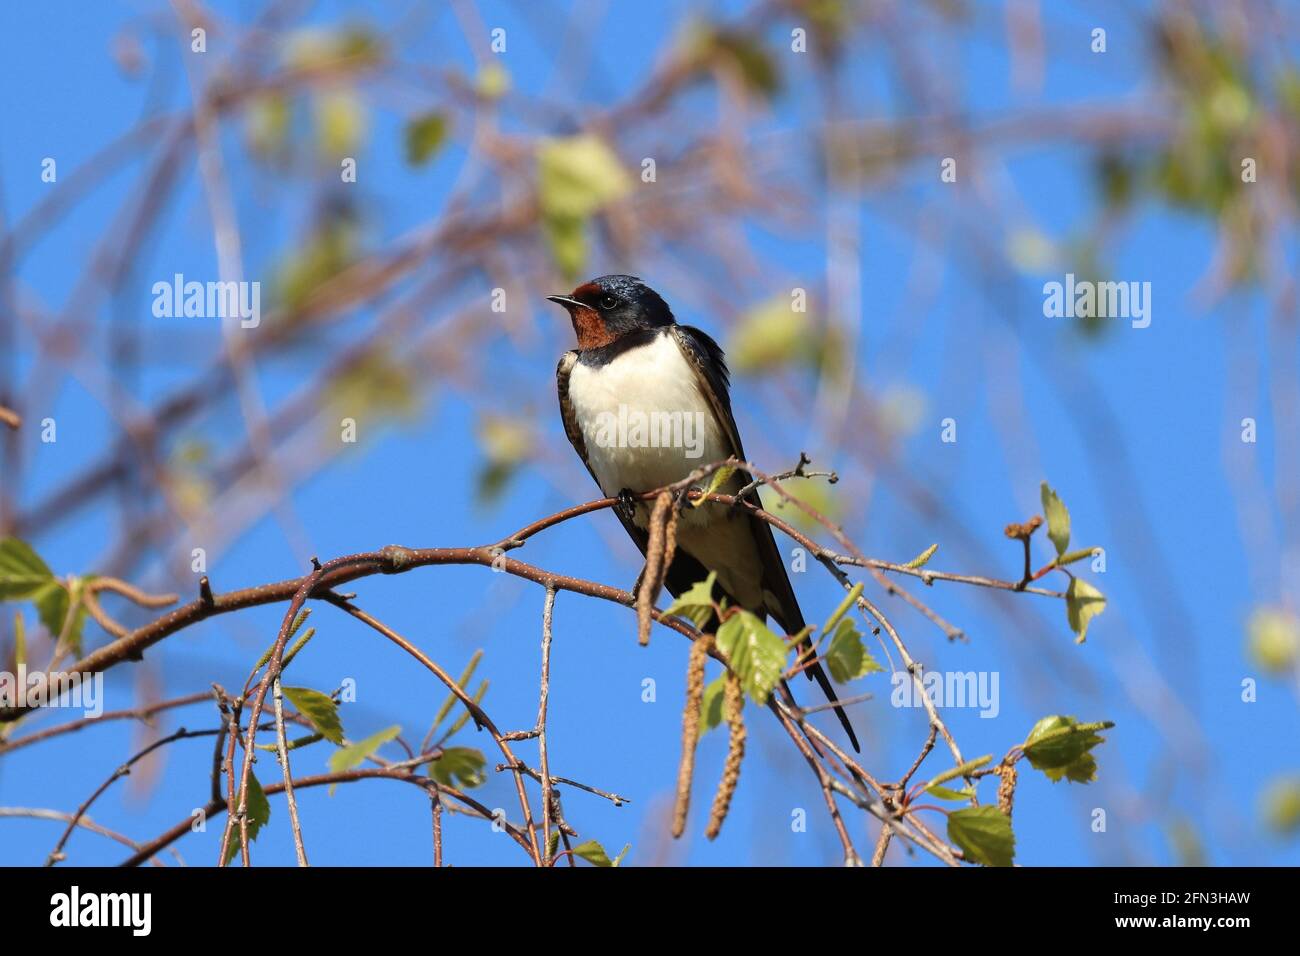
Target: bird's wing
column 567, row 414
column 705, row 357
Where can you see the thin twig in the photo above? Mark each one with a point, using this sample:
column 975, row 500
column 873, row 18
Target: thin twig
column 40, row 813
column 282, row 752
column 882, row 844
column 437, row 828
column 617, row 799
column 548, row 609
column 56, row 855
column 216, row 807
column 140, row 713
column 479, row 715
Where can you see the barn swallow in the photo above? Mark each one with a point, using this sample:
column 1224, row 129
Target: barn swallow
column 646, row 401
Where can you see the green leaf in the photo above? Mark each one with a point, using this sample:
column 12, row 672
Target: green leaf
column 78, row 624
column 720, row 478
column 742, row 52
column 1083, row 770
column 319, row 48
column 321, row 709
column 1031, row 251
column 696, row 605
column 507, row 444
column 314, row 259
column 1115, row 177
column 52, row 603
column 755, row 654
column 380, row 384
column 566, row 239
column 770, row 335
column 1281, row 804
column 961, row 770
column 423, row 136
column 1186, row 843
column 1058, row 519
column 267, row 125
column 459, row 767
column 595, row 854
column 577, row 176
column 1273, row 639
column 461, row 682
column 984, row 835
column 492, row 82
column 20, row 639
column 259, row 812
column 294, row 744
column 1083, row 602
column 1059, row 746
column 711, row 703
column 505, row 438
column 1080, row 555
column 22, row 572
column 899, row 410
column 345, row 758
column 943, row 793
column 846, row 657
column 812, row 492
column 465, row 714
column 850, row 599
column 340, row 123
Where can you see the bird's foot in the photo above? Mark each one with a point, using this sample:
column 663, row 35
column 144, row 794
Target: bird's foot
column 682, row 500
column 626, row 503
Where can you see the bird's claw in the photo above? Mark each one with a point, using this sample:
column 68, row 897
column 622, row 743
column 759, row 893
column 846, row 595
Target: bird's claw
column 626, row 503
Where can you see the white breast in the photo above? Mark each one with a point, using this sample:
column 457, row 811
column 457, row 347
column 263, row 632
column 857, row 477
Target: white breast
column 655, row 384
column 644, row 419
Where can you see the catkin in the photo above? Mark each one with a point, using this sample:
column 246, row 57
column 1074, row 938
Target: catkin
column 733, row 707
column 658, row 555
column 690, row 729
column 1007, row 788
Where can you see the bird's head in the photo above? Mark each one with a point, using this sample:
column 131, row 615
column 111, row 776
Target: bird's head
column 610, row 307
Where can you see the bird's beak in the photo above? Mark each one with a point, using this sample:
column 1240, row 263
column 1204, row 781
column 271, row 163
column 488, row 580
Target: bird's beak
column 565, row 301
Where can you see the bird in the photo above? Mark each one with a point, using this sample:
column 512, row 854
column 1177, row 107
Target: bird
column 645, row 401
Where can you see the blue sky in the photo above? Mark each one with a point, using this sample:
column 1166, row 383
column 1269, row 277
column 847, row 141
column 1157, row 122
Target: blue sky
column 1134, row 427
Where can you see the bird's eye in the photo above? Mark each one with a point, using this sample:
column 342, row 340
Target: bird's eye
column 608, row 302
